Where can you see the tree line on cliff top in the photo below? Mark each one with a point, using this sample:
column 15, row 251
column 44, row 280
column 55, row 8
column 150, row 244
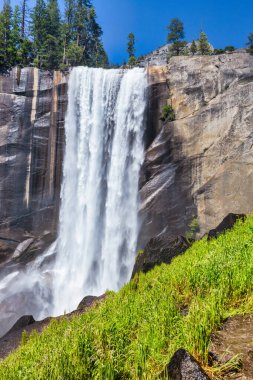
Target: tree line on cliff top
column 45, row 38
column 179, row 46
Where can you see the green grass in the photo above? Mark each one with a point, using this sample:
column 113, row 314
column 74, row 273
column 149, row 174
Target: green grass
column 134, row 333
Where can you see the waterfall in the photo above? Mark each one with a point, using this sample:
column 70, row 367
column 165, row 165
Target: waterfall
column 98, row 223
column 99, row 199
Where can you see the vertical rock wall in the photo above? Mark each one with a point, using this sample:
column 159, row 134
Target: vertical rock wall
column 31, row 151
column 201, row 165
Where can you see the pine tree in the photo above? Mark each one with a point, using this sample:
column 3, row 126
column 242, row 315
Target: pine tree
column 250, row 44
column 176, row 36
column 81, row 21
column 39, row 29
column 131, row 45
column 93, row 45
column 16, row 35
column 6, row 44
column 52, row 46
column 53, row 43
column 203, row 45
column 193, row 48
column 23, row 19
column 67, row 29
column 53, row 24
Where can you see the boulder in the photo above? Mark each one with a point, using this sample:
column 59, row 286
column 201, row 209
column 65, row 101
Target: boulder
column 183, row 366
column 22, row 247
column 21, row 323
column 89, row 301
column 160, row 249
column 227, row 223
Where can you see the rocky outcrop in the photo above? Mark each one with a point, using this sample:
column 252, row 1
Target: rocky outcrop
column 89, row 301
column 201, row 165
column 31, row 153
column 227, row 223
column 160, row 249
column 21, row 323
column 158, row 57
column 183, row 366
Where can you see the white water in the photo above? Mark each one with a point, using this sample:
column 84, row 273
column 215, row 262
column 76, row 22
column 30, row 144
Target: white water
column 98, row 226
column 104, row 151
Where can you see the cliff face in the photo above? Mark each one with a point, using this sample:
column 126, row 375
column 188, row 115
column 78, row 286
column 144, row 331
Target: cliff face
column 201, row 165
column 31, row 144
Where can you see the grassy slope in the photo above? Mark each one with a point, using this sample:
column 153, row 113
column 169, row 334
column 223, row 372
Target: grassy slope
column 133, row 334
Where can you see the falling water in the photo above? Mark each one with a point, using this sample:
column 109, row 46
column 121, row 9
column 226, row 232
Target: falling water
column 99, row 199
column 98, row 225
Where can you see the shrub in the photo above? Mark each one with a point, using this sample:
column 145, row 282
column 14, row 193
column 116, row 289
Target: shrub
column 168, row 113
column 229, row 48
column 193, row 228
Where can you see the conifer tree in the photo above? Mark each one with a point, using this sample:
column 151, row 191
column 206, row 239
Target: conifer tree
column 250, row 44
column 131, row 45
column 23, row 19
column 6, row 44
column 52, row 46
column 39, row 29
column 193, row 48
column 94, row 51
column 203, row 44
column 16, row 35
column 176, row 36
column 68, row 26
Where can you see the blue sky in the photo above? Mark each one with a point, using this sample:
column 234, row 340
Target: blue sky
column 226, row 22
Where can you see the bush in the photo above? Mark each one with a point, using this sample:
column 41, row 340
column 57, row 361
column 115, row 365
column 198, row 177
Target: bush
column 218, row 51
column 229, row 48
column 168, row 113
column 193, row 228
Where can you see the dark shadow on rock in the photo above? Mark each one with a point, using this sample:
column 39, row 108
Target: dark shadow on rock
column 22, row 322
column 160, row 249
column 167, row 203
column 183, row 366
column 227, row 223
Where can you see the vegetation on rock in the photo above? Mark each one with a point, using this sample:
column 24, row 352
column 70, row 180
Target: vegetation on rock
column 168, row 113
column 133, row 334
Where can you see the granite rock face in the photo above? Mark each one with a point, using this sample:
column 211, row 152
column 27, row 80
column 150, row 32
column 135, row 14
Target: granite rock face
column 198, row 167
column 201, row 165
column 31, row 153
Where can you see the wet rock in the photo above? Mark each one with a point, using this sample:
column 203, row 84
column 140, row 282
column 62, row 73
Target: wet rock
column 227, row 223
column 183, row 366
column 31, row 150
column 160, row 249
column 22, row 248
